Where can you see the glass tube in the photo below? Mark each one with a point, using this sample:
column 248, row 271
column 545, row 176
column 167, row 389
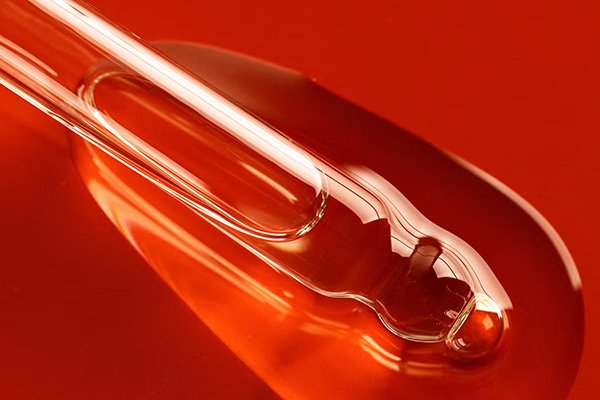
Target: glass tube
column 50, row 53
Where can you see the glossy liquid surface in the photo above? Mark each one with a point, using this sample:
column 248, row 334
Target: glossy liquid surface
column 291, row 336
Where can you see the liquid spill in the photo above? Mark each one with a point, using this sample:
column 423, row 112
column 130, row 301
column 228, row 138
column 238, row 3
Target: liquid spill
column 302, row 343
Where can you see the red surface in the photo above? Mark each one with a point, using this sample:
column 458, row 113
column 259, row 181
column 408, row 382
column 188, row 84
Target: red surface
column 511, row 88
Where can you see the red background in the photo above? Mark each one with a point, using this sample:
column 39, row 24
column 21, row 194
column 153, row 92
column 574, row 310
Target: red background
column 513, row 88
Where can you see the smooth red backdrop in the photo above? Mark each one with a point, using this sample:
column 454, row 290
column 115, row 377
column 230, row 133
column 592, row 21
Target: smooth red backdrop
column 513, row 87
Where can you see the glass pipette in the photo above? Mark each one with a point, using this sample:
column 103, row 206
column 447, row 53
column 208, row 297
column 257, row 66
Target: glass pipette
column 48, row 46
